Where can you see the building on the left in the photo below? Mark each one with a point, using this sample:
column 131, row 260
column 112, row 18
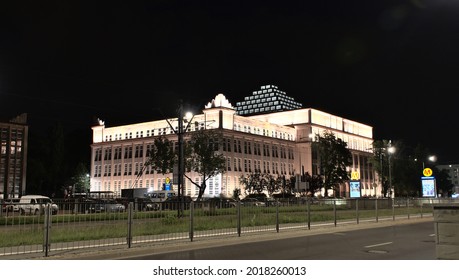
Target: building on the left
column 13, row 156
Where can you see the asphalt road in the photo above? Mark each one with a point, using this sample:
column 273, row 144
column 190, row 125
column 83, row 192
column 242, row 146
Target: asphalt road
column 411, row 241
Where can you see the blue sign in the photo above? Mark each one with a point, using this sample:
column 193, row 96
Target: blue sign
column 354, row 189
column 428, row 187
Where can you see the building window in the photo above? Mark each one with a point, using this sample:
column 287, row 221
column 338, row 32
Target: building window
column 138, row 151
column 108, row 154
column 127, row 152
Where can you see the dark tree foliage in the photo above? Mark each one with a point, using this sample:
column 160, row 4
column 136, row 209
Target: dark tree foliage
column 53, row 157
column 201, row 153
column 162, row 156
column 204, row 157
column 334, row 159
column 316, row 182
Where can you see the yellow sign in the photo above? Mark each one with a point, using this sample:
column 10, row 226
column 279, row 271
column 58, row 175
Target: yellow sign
column 427, row 172
column 355, row 175
column 168, row 180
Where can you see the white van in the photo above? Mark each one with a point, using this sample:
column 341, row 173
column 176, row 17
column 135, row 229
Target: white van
column 35, row 204
column 156, row 198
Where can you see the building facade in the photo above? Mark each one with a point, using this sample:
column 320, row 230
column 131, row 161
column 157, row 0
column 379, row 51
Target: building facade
column 13, row 157
column 278, row 143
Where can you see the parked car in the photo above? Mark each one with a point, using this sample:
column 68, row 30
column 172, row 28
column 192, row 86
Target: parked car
column 171, row 203
column 216, row 202
column 270, row 201
column 112, row 205
column 36, row 204
column 231, row 202
column 250, row 201
column 10, row 205
column 152, row 206
column 95, row 206
column 220, row 202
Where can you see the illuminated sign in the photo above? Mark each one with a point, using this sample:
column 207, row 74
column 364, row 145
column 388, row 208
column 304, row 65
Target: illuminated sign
column 427, row 172
column 428, row 186
column 354, row 189
column 355, row 175
column 167, row 185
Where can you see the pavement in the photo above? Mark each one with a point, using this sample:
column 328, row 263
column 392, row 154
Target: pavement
column 140, row 249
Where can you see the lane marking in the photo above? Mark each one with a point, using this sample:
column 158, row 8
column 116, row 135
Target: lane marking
column 376, row 245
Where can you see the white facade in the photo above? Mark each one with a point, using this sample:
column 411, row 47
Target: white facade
column 277, row 143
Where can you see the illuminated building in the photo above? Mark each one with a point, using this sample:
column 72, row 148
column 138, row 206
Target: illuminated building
column 13, row 156
column 268, row 99
column 278, row 143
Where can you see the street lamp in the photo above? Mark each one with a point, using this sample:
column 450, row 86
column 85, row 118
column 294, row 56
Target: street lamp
column 431, row 158
column 188, row 117
column 302, row 180
column 390, row 151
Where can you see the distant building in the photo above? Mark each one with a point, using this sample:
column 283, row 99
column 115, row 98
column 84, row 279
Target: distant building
column 453, row 172
column 268, row 99
column 278, row 143
column 13, row 156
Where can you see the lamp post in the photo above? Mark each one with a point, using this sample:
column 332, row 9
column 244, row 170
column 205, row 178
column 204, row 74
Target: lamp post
column 390, row 151
column 308, row 139
column 181, row 157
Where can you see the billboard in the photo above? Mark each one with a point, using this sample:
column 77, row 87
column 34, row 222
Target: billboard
column 428, row 187
column 354, row 189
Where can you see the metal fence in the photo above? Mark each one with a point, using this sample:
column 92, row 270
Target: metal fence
column 87, row 225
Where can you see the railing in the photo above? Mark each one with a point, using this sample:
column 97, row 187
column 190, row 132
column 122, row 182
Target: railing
column 84, row 225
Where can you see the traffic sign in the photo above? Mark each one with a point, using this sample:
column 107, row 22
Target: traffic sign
column 427, row 172
column 355, row 175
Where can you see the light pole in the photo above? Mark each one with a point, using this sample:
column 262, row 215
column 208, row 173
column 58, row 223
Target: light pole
column 431, row 158
column 181, row 157
column 390, row 151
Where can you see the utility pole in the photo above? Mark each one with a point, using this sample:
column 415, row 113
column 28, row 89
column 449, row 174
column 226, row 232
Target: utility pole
column 180, row 159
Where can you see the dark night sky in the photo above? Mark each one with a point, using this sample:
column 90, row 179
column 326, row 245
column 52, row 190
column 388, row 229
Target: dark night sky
column 390, row 64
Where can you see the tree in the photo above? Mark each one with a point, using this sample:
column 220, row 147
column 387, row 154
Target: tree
column 271, row 184
column 80, row 180
column 201, row 154
column 161, row 155
column 334, row 159
column 443, row 182
column 204, row 157
column 399, row 165
column 316, row 182
column 253, row 182
column 287, row 185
